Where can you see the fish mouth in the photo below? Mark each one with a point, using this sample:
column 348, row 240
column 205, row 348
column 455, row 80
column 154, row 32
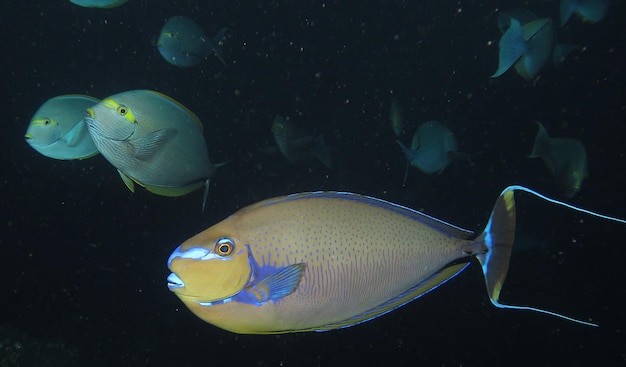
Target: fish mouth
column 174, row 282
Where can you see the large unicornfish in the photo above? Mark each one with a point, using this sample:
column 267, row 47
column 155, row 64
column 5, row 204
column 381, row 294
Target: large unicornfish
column 325, row 260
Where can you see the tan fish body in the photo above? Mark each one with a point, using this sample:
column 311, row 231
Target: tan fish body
column 326, row 260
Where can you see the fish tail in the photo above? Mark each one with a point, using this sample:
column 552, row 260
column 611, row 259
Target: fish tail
column 498, row 238
column 512, row 46
column 541, row 148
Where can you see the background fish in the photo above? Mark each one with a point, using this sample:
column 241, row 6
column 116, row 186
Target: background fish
column 298, row 145
column 432, row 149
column 57, row 129
column 591, row 11
column 565, row 158
column 152, row 140
column 396, row 117
column 527, row 46
column 98, row 3
column 326, row 260
column 182, row 42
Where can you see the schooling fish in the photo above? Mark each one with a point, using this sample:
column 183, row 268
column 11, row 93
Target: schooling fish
column 432, row 149
column 182, row 42
column 98, row 3
column 528, row 47
column 326, row 260
column 153, row 141
column 396, row 117
column 566, row 159
column 591, row 11
column 520, row 14
column 57, row 129
column 297, row 145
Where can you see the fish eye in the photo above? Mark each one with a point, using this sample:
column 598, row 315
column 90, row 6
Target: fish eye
column 122, row 110
column 224, row 246
column 47, row 122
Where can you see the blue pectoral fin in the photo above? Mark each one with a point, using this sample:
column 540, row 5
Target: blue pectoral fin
column 278, row 284
column 143, row 148
column 512, row 47
column 76, row 134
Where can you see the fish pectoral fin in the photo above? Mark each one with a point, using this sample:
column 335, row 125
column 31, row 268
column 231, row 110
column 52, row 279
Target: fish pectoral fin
column 145, row 147
column 129, row 182
column 75, row 134
column 279, row 284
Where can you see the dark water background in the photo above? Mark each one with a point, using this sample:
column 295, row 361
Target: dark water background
column 83, row 259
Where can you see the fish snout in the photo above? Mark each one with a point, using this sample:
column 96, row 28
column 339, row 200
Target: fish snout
column 174, row 282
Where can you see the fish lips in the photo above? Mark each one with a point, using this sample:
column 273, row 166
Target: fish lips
column 174, row 282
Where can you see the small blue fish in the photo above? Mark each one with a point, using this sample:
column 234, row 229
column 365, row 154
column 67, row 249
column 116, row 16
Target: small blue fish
column 591, row 11
column 182, row 42
column 57, row 130
column 566, row 159
column 299, row 146
column 325, row 260
column 528, row 47
column 432, row 149
column 107, row 4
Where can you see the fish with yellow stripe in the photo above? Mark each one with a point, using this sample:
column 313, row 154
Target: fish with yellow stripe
column 57, row 130
column 153, row 141
column 326, row 260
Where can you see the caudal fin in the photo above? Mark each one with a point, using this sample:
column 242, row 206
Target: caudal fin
column 512, row 46
column 498, row 238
